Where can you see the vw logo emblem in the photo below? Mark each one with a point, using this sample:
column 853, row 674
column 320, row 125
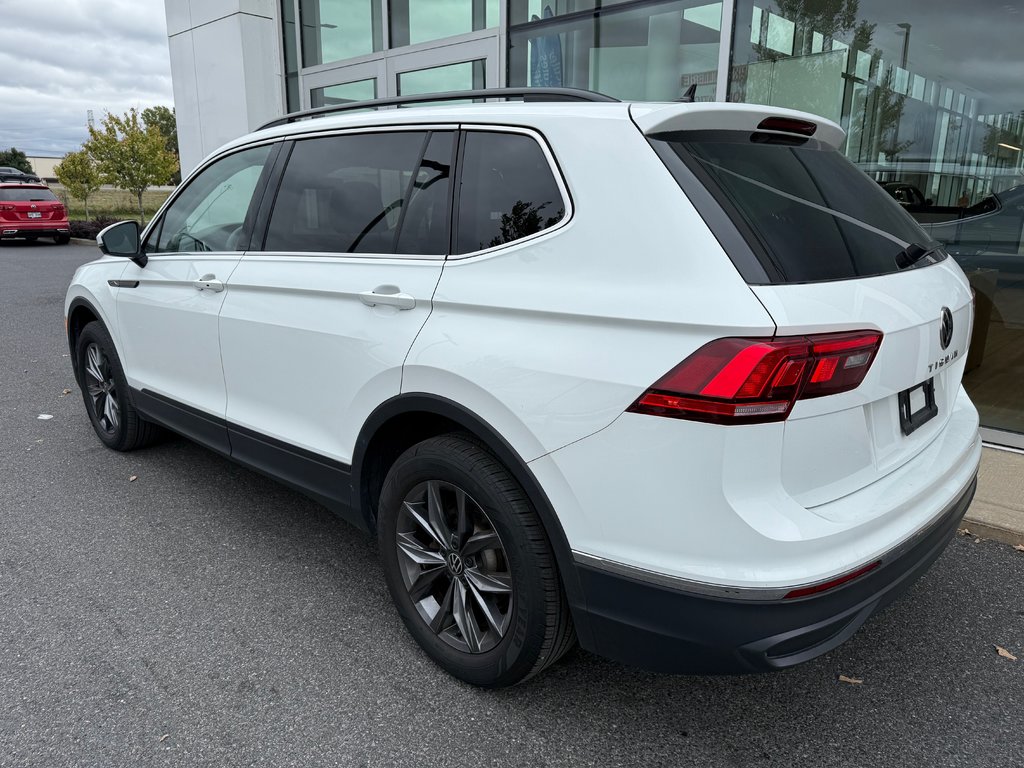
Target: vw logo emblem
column 454, row 563
column 945, row 327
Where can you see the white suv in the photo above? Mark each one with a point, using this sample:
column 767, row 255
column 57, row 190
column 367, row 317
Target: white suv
column 675, row 380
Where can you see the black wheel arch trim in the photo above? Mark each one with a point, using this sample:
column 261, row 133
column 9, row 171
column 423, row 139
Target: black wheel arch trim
column 80, row 302
column 436, row 405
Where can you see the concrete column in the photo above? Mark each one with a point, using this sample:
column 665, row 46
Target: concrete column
column 226, row 70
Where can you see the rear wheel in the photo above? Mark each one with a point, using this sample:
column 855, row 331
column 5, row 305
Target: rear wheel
column 469, row 566
column 105, row 390
column 62, row 239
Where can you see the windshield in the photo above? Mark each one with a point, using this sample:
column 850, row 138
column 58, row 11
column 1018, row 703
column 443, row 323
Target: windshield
column 23, row 194
column 807, row 213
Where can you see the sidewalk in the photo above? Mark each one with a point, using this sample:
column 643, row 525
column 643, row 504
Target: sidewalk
column 998, row 508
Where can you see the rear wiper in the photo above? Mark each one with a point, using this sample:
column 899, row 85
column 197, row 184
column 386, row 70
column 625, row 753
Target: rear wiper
column 913, row 253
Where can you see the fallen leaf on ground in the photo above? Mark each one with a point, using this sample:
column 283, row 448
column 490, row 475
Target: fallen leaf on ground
column 164, row 737
column 964, row 531
column 1019, row 547
column 1005, row 653
column 65, row 392
column 133, row 478
column 850, row 680
column 44, row 416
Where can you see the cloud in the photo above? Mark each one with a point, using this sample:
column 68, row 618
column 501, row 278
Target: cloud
column 61, row 58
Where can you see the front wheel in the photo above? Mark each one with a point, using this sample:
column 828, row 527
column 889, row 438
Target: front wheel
column 469, row 566
column 105, row 391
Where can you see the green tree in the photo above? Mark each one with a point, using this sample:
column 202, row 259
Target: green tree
column 15, row 158
column 78, row 174
column 129, row 155
column 163, row 118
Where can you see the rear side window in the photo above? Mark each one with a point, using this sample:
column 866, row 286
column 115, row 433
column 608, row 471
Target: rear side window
column 508, row 191
column 365, row 193
column 24, row 195
column 806, row 212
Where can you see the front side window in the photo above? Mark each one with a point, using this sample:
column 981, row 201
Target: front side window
column 365, row 193
column 210, row 213
column 508, row 191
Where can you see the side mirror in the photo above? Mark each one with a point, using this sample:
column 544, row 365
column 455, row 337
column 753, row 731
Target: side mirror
column 122, row 239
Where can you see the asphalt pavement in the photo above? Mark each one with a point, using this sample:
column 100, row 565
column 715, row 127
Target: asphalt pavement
column 201, row 615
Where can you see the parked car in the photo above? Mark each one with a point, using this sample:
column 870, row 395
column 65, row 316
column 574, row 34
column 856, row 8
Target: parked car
column 674, row 380
column 32, row 211
column 15, row 174
column 989, row 228
column 906, row 194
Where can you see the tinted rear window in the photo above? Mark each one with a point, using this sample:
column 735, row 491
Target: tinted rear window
column 24, row 194
column 806, row 212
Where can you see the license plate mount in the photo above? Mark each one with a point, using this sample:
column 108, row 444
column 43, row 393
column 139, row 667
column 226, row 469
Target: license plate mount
column 917, row 406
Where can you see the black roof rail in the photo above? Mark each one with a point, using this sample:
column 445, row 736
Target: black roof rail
column 526, row 94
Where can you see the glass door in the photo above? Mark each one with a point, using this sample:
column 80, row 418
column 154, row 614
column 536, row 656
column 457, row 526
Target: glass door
column 457, row 67
column 354, row 82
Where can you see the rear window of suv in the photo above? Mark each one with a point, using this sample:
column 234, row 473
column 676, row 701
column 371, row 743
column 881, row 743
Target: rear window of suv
column 25, row 194
column 807, row 213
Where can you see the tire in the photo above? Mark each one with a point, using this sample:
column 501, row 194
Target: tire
column 105, row 391
column 482, row 598
column 62, row 239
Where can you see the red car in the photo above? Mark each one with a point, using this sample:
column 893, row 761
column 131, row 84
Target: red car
column 32, row 211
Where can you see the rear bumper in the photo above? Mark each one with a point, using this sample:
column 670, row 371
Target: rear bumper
column 666, row 629
column 42, row 229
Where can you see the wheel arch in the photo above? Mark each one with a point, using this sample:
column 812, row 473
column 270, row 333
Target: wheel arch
column 409, row 418
column 81, row 312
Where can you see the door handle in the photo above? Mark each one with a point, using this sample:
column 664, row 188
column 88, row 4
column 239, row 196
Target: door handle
column 208, row 283
column 389, row 296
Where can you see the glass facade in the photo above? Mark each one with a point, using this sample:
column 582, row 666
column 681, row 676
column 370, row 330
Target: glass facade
column 333, row 30
column 632, row 51
column 930, row 95
column 415, row 21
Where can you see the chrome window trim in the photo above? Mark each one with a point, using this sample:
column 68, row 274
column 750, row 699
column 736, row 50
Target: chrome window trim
column 556, row 172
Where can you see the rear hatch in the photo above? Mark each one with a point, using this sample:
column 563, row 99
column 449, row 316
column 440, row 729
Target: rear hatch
column 30, row 204
column 826, row 250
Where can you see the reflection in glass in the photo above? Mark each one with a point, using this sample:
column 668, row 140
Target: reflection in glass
column 339, row 29
column 521, row 11
column 652, row 52
column 451, row 77
column 358, row 90
column 933, row 105
column 420, row 21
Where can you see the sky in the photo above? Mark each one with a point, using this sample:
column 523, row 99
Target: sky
column 61, row 58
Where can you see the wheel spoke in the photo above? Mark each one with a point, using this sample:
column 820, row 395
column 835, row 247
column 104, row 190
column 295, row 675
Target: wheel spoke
column 423, row 523
column 442, row 619
column 464, row 620
column 490, row 611
column 424, row 582
column 495, row 583
column 93, row 363
column 463, row 523
column 479, row 542
column 435, row 513
column 412, row 549
column 95, row 390
column 113, row 411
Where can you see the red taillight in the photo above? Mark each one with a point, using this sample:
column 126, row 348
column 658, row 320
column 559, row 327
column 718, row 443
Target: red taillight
column 745, row 381
column 788, row 125
column 6, row 207
column 831, row 584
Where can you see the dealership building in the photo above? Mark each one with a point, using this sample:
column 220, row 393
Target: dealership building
column 929, row 93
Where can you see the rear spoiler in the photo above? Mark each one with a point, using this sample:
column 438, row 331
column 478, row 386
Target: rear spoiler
column 703, row 116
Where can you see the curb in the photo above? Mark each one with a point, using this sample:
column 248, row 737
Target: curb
column 983, row 530
column 82, row 241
